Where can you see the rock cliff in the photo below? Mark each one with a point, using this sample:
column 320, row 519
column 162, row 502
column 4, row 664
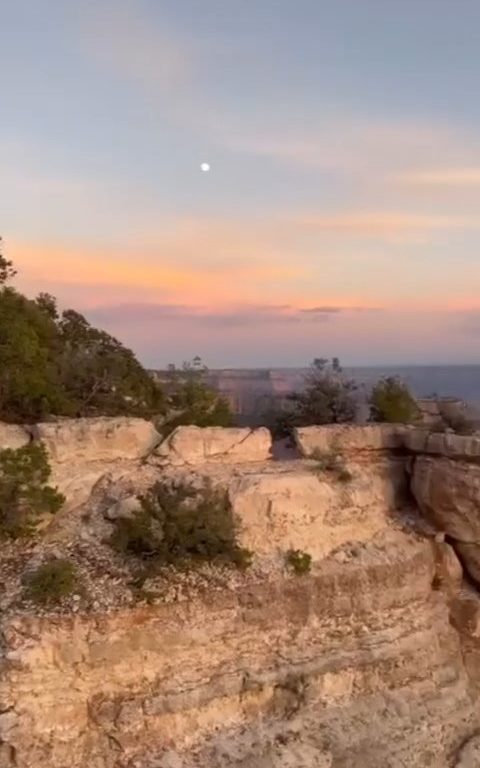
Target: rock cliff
column 370, row 659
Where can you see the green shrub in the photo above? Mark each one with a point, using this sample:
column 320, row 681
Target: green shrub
column 344, row 476
column 328, row 397
column 392, row 402
column 51, row 582
column 24, row 493
column 325, row 462
column 177, row 524
column 300, row 562
column 57, row 363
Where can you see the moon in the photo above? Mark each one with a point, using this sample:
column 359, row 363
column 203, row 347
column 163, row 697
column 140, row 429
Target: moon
column 205, row 167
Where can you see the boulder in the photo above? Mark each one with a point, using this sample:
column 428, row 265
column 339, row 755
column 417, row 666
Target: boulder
column 469, row 755
column 197, row 445
column 443, row 444
column 279, row 511
column 124, row 508
column 13, row 436
column 349, row 438
column 97, row 439
column 448, row 493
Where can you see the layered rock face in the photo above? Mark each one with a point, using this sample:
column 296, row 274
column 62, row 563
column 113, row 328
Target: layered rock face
column 368, row 660
column 446, row 486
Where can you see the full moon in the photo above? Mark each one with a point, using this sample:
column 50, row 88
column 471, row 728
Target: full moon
column 205, row 167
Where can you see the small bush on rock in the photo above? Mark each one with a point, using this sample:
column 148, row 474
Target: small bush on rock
column 300, row 562
column 177, row 524
column 51, row 582
column 24, row 493
column 331, row 462
column 392, row 402
column 325, row 462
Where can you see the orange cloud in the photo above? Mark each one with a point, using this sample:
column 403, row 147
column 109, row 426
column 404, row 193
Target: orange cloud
column 146, row 274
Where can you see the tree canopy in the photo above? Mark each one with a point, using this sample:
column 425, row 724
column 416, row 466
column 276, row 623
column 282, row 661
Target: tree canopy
column 56, row 363
column 192, row 401
column 327, row 398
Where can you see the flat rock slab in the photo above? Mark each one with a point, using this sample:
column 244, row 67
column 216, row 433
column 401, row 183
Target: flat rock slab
column 348, row 438
column 197, row 445
column 97, row 439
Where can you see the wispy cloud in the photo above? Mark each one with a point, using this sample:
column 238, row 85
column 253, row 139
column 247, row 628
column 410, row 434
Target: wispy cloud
column 239, row 316
column 384, row 224
column 121, row 37
column 442, row 177
column 352, row 143
column 196, row 269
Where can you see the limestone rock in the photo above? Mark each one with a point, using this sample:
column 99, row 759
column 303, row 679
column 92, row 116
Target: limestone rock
column 465, row 613
column 469, row 552
column 196, row 445
column 448, row 493
column 449, row 569
column 348, row 438
column 124, row 508
column 443, row 444
column 469, row 756
column 13, row 436
column 97, row 439
column 278, row 511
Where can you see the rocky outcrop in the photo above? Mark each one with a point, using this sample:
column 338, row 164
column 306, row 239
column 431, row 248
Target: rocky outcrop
column 299, row 507
column 446, row 444
column 349, row 438
column 97, row 439
column 448, row 494
column 194, row 445
column 82, row 451
column 13, row 436
column 339, row 666
column 371, row 658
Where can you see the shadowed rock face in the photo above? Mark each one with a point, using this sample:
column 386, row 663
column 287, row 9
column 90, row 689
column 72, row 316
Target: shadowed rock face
column 369, row 660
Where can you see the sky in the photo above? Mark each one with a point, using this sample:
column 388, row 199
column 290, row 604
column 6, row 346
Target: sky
column 341, row 212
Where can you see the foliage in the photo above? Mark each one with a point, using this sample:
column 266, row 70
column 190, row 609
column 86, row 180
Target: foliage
column 30, row 386
column 328, row 398
column 55, row 363
column 300, row 562
column 100, row 375
column 180, row 523
column 24, row 493
column 51, row 582
column 7, row 270
column 325, row 461
column 392, row 402
column 192, row 402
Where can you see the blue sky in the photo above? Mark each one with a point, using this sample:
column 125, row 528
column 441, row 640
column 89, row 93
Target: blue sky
column 344, row 147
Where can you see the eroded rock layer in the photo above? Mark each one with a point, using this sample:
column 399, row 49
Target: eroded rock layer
column 370, row 659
